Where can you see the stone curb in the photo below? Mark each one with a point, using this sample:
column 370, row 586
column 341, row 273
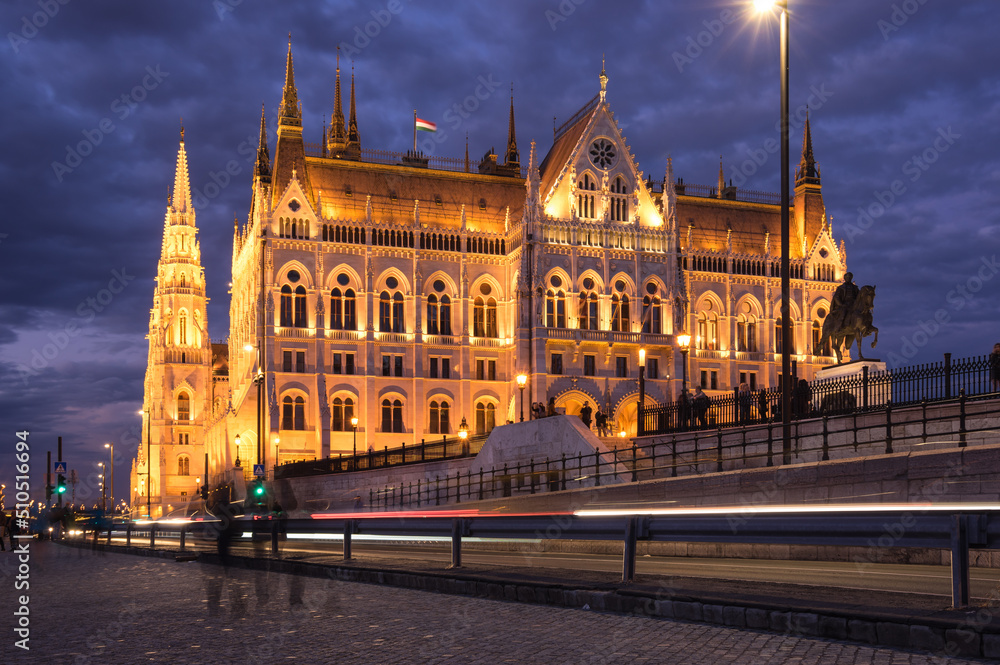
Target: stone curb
column 939, row 637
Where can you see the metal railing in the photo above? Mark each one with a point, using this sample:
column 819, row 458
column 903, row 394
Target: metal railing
column 864, row 392
column 426, row 451
column 917, row 526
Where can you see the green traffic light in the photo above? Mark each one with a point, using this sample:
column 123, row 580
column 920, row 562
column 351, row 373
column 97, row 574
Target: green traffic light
column 259, row 490
column 61, row 489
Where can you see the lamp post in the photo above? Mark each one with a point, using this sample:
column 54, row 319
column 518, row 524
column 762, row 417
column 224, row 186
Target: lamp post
column 111, row 446
column 640, row 429
column 236, row 441
column 685, row 343
column 277, row 451
column 522, row 381
column 463, row 434
column 786, row 332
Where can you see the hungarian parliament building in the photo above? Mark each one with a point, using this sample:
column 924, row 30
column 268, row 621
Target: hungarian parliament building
column 408, row 292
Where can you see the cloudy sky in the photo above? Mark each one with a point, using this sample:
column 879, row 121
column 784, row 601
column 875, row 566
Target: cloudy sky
column 904, row 98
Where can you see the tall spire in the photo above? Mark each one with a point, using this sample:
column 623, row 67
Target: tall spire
column 808, row 171
column 289, row 112
column 512, row 158
column 467, row 152
column 263, row 168
column 604, row 80
column 338, row 132
column 180, row 201
column 352, row 125
column 722, row 179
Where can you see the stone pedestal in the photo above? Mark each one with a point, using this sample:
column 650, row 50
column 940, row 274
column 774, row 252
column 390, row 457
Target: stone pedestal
column 840, row 385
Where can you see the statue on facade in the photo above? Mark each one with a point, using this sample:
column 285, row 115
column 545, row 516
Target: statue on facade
column 850, row 317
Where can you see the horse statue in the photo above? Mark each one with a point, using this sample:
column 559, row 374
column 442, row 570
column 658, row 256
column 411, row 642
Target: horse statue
column 857, row 324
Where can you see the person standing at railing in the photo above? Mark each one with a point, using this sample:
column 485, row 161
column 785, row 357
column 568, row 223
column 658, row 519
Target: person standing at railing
column 995, row 368
column 700, row 405
column 684, row 409
column 762, row 405
column 585, row 414
column 743, row 399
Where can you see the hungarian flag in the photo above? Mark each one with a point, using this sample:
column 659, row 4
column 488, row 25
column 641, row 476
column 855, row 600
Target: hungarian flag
column 426, row 125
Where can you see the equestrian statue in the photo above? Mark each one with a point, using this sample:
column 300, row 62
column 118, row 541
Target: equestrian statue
column 850, row 318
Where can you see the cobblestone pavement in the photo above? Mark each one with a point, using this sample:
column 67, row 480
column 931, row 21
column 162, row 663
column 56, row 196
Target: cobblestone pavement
column 95, row 608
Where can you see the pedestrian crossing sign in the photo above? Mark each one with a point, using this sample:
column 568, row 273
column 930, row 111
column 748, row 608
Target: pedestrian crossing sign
column 59, row 467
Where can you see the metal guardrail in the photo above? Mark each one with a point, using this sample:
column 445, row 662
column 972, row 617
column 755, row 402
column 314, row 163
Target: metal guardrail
column 917, row 525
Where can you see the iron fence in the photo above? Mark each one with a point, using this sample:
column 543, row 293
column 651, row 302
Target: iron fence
column 426, row 451
column 859, row 393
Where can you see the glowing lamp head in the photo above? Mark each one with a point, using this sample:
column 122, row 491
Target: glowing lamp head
column 684, row 340
column 522, row 381
column 763, row 5
column 354, row 421
column 248, row 347
column 463, row 429
column 642, row 356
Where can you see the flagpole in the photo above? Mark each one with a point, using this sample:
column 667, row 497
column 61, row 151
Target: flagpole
column 414, row 131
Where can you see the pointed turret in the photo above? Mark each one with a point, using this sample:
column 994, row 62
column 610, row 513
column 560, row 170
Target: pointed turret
column 808, row 171
column 604, row 81
column 289, row 151
column 263, row 168
column 289, row 113
column 180, row 200
column 337, row 140
column 809, row 214
column 353, row 136
column 722, row 180
column 512, row 158
column 467, row 152
column 669, row 199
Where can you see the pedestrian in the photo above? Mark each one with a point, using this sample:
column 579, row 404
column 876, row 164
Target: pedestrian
column 601, row 421
column 585, row 414
column 13, row 529
column 743, row 402
column 995, row 367
column 700, row 404
column 551, row 409
column 762, row 405
column 802, row 399
column 684, row 409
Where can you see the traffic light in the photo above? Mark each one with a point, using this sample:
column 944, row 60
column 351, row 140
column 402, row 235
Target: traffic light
column 257, row 492
column 61, row 484
column 48, row 493
column 204, row 492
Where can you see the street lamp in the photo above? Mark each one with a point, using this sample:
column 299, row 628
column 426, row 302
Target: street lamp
column 236, row 441
column 685, row 343
column 522, row 381
column 111, row 446
column 786, row 331
column 640, row 429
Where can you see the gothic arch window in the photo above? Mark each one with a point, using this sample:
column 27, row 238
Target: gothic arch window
column 479, row 318
column 342, row 412
column 585, row 197
column 183, row 281
column 336, row 310
column 587, row 315
column 182, row 328
column 285, row 316
column 555, row 309
column 301, row 320
column 651, row 315
column 392, row 415
column 817, row 333
column 708, row 331
column 620, row 318
column 444, row 321
column 439, row 417
column 486, row 417
column 183, row 407
column 293, row 413
column 433, row 314
column 183, row 465
column 619, row 200
column 746, row 333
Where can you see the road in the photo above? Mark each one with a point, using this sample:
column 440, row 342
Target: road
column 113, row 609
column 898, row 578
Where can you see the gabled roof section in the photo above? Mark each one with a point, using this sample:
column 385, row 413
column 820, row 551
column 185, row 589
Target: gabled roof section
column 566, row 139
